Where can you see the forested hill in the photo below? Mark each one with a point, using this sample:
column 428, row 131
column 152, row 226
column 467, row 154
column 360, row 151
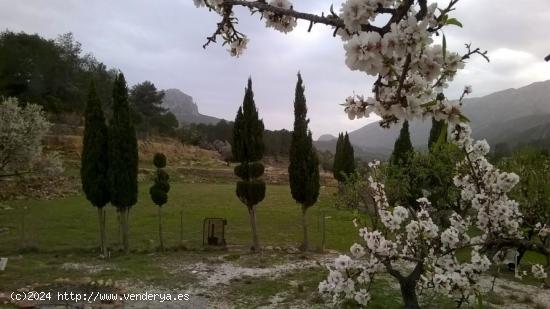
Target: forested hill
column 53, row 73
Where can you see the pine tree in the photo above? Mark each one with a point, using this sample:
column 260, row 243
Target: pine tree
column 303, row 171
column 95, row 161
column 248, row 149
column 403, row 149
column 159, row 190
column 123, row 154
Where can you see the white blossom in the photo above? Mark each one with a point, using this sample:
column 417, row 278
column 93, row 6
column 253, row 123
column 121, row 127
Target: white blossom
column 357, row 251
column 538, row 271
column 342, row 262
column 281, row 23
column 363, row 53
column 237, row 47
column 356, row 13
column 362, row 297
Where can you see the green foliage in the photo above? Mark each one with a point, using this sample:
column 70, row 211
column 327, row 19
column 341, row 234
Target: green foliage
column 146, row 100
column 95, row 153
column 147, row 112
column 533, row 190
column 164, row 124
column 354, row 194
column 158, row 196
column 303, row 170
column 249, row 170
column 248, row 130
column 160, row 188
column 123, row 167
column 426, row 174
column 251, row 192
column 276, row 143
column 344, row 158
column 51, row 73
column 437, row 132
column 159, row 160
column 248, row 148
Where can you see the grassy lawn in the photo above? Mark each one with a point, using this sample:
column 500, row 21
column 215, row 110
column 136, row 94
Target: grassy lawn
column 70, row 224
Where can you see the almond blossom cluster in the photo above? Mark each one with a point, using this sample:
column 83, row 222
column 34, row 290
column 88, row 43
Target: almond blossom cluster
column 279, row 22
column 407, row 239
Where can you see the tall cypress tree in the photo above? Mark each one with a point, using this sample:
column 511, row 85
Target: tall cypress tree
column 348, row 160
column 437, row 132
column 337, row 165
column 95, row 161
column 248, row 149
column 123, row 154
column 303, row 171
column 403, row 149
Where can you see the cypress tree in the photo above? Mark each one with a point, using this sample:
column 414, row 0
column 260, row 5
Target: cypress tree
column 159, row 190
column 248, row 149
column 403, row 149
column 95, row 161
column 303, row 171
column 348, row 157
column 337, row 165
column 437, row 132
column 123, row 167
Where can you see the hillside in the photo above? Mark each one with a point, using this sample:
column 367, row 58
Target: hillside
column 507, row 116
column 185, row 109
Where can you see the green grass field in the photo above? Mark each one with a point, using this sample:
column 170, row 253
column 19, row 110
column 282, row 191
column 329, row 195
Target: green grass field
column 71, row 223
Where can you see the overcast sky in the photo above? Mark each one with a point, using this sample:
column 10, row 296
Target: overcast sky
column 162, row 40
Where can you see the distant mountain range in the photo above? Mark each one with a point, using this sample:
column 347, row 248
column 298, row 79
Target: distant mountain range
column 512, row 116
column 185, row 109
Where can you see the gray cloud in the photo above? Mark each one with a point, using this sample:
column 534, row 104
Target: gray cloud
column 162, row 41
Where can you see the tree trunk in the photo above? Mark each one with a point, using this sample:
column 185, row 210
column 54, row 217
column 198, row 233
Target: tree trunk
column 119, row 229
column 305, row 244
column 181, row 228
column 124, row 220
column 101, row 217
column 255, row 239
column 408, row 293
column 160, row 230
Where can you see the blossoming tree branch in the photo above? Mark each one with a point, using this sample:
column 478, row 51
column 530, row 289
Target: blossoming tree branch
column 412, row 72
